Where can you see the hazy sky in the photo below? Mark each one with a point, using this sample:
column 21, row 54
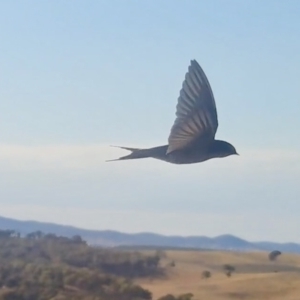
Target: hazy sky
column 77, row 76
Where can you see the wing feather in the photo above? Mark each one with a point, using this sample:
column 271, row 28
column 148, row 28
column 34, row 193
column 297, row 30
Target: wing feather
column 196, row 113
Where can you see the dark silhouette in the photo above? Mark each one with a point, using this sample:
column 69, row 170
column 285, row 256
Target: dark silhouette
column 274, row 254
column 229, row 269
column 187, row 296
column 172, row 264
column 206, row 274
column 192, row 137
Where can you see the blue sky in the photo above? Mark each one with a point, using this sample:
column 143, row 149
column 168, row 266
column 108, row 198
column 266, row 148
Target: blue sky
column 77, row 76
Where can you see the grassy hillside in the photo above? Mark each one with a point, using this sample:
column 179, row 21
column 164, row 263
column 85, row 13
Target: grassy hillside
column 50, row 267
column 255, row 277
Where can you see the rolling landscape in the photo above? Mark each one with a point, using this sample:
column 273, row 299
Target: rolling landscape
column 44, row 266
column 254, row 277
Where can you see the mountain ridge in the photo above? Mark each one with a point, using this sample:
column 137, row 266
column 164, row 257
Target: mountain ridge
column 112, row 238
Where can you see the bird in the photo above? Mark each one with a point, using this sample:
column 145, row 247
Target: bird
column 192, row 136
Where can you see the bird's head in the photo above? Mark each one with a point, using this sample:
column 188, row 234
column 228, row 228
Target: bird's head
column 223, row 149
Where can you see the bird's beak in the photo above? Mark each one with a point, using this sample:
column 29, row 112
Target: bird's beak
column 237, row 154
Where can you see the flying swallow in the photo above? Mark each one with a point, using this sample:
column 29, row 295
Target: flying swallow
column 192, row 136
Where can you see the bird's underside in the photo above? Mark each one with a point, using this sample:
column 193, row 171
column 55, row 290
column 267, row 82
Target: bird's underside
column 185, row 156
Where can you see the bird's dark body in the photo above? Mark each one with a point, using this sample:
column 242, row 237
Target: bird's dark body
column 192, row 136
column 194, row 154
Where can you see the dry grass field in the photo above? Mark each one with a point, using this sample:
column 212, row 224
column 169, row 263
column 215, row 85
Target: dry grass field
column 255, row 276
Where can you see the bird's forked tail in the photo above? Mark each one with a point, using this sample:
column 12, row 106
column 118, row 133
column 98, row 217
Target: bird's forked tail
column 135, row 153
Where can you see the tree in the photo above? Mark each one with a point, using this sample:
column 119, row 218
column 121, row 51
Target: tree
column 273, row 255
column 206, row 274
column 77, row 239
column 229, row 269
column 187, row 296
column 172, row 263
column 35, row 235
column 7, row 233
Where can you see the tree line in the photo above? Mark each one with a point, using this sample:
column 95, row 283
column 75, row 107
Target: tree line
column 42, row 266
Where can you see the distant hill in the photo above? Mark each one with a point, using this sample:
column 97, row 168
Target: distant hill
column 110, row 238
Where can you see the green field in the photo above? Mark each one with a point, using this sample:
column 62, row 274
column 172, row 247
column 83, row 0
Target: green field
column 255, row 277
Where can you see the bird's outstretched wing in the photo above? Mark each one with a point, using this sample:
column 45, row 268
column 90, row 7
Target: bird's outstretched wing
column 196, row 113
